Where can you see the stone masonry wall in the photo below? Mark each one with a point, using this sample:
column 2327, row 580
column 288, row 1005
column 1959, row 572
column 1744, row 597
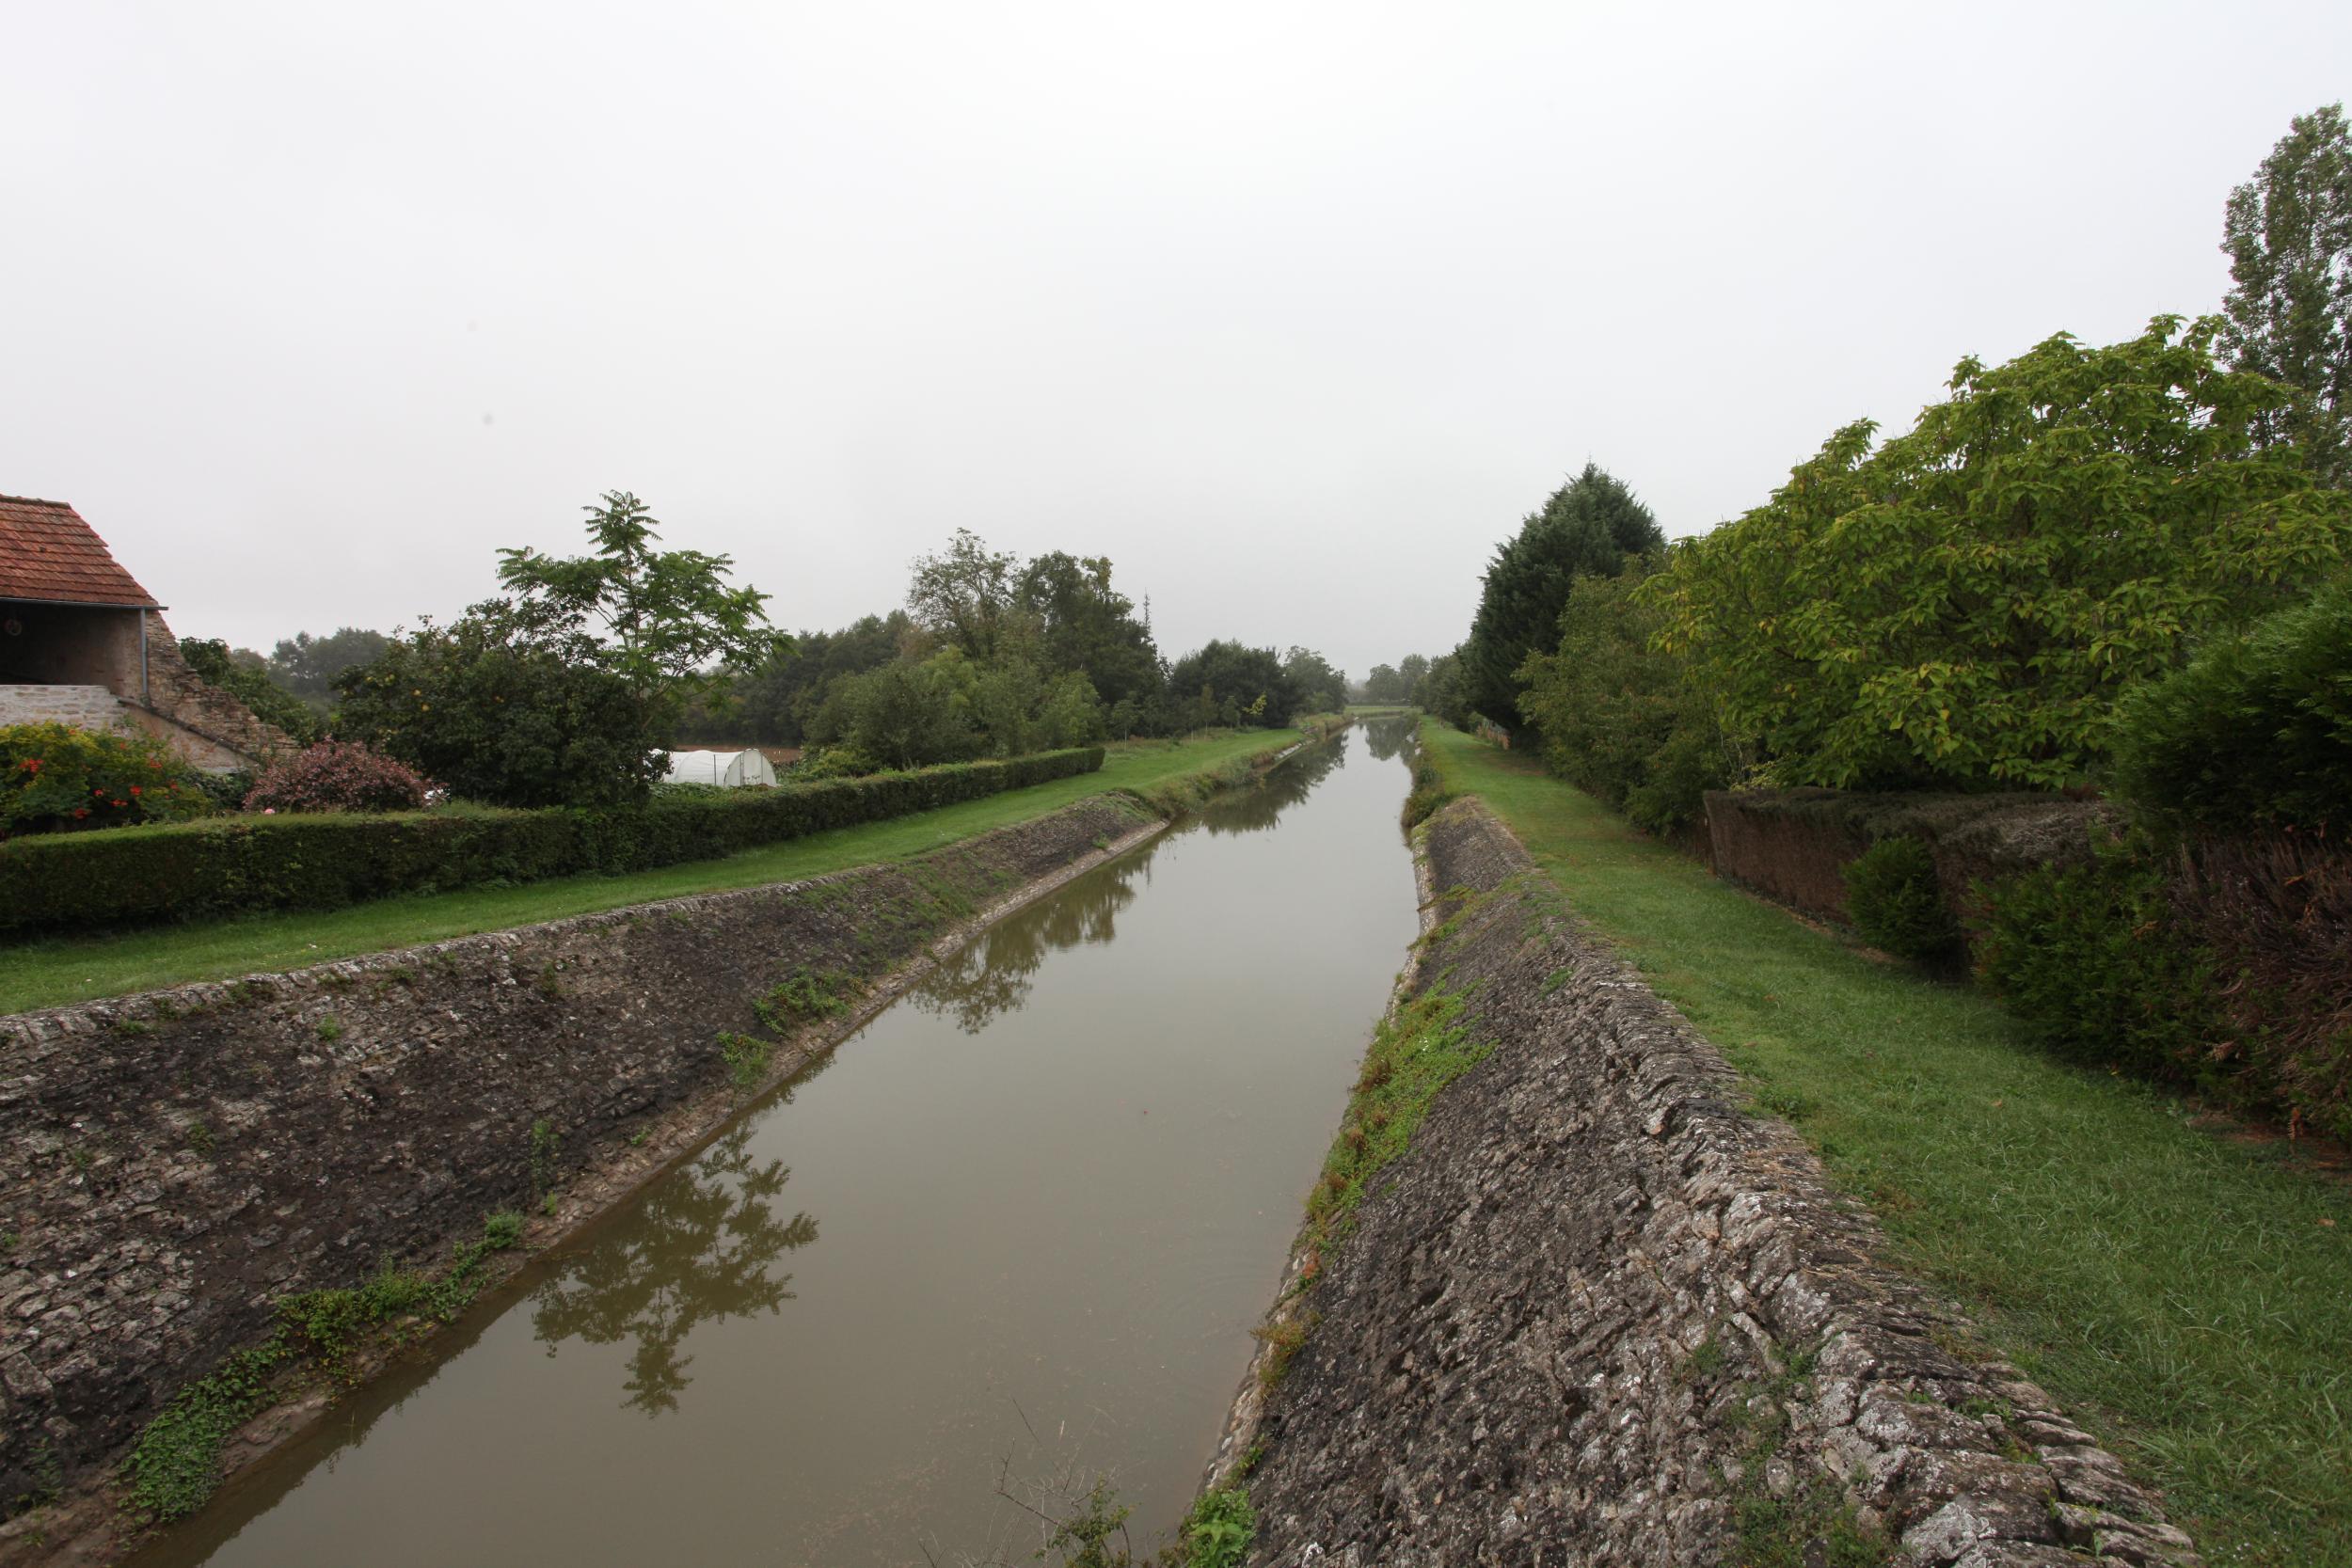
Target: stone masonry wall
column 1597, row 1315
column 178, row 1161
column 85, row 708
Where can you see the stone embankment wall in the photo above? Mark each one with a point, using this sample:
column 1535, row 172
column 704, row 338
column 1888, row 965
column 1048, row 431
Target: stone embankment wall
column 1597, row 1315
column 179, row 1161
column 1793, row 844
column 85, row 708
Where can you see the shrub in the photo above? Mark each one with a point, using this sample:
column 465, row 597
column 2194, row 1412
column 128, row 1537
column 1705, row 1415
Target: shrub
column 316, row 859
column 1896, row 902
column 2091, row 964
column 2255, row 731
column 55, row 778
column 1964, row 605
column 337, row 775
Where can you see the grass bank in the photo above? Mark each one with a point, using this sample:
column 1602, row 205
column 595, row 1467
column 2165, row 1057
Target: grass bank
column 59, row 970
column 2186, row 1294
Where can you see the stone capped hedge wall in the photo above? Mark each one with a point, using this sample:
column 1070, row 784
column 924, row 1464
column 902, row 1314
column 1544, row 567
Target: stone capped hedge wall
column 1597, row 1315
column 179, row 1161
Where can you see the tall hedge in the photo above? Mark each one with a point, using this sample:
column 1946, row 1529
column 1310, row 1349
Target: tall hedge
column 207, row 869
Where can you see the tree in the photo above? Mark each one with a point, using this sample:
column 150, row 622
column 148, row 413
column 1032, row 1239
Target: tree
column 1962, row 606
column 1619, row 719
column 1226, row 683
column 1317, row 686
column 503, row 711
column 307, row 666
column 1386, row 684
column 2288, row 232
column 1588, row 526
column 664, row 621
column 1085, row 627
column 1414, row 669
column 1441, row 691
column 906, row 714
column 966, row 594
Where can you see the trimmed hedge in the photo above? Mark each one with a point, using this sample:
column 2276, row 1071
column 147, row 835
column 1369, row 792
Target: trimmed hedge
column 208, row 869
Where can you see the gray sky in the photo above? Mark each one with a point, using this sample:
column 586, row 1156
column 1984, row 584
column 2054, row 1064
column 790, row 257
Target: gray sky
column 1292, row 312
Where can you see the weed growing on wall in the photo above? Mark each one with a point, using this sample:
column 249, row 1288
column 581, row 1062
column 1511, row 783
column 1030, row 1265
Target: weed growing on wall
column 747, row 1057
column 175, row 1463
column 546, row 1148
column 804, row 997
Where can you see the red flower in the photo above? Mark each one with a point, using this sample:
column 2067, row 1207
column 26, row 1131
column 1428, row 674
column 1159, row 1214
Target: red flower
column 135, row 790
column 81, row 810
column 100, row 793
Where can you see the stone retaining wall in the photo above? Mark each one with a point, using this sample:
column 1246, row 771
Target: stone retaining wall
column 85, row 708
column 179, row 1161
column 1597, row 1315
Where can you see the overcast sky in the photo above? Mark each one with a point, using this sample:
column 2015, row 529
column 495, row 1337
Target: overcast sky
column 1292, row 312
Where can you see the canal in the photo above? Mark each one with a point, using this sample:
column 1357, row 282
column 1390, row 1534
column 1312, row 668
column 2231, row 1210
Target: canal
column 1010, row 1237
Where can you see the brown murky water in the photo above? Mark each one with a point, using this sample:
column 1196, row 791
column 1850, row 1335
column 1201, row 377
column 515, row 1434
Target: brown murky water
column 1017, row 1228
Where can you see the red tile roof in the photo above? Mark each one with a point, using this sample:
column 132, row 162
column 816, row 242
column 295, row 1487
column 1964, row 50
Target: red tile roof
column 48, row 552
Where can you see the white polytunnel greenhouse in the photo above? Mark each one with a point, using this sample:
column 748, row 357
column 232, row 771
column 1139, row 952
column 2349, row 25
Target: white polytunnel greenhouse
column 730, row 769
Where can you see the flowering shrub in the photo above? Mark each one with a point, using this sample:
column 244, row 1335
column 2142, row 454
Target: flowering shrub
column 337, row 775
column 55, row 778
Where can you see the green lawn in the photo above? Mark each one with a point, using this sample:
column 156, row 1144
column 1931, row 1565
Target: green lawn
column 2188, row 1295
column 51, row 974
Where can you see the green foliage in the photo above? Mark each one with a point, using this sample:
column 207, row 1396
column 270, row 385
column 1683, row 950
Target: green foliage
column 243, row 676
column 1083, row 1539
column 1443, row 691
column 1386, row 684
column 664, row 621
column 307, row 665
column 1219, row 1529
column 746, row 1056
column 804, row 996
column 1617, row 720
column 1964, row 605
column 1587, row 528
column 545, row 1157
column 2088, row 961
column 503, row 1230
column 59, row 778
column 1230, row 684
column 503, row 713
column 1413, row 1056
column 2288, row 232
column 907, row 714
column 1084, row 626
column 321, row 861
column 2255, row 731
column 1317, row 684
column 1896, row 902
column 175, row 1463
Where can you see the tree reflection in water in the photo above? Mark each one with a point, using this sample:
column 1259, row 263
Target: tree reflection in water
column 698, row 1251
column 1387, row 738
column 1253, row 810
column 992, row 973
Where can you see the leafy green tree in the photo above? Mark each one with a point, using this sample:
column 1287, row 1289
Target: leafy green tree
column 1317, row 686
column 906, row 714
column 1386, row 684
column 1619, row 720
column 966, row 594
column 664, row 621
column 307, row 665
column 2288, row 232
column 1227, row 683
column 1441, row 691
column 771, row 703
column 239, row 673
column 1587, row 528
column 1084, row 625
column 503, row 711
column 1964, row 605
column 1413, row 669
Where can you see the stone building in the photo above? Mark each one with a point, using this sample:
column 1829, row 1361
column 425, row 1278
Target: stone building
column 81, row 642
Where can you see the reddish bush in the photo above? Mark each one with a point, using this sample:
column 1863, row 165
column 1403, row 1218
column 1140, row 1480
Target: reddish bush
column 338, row 775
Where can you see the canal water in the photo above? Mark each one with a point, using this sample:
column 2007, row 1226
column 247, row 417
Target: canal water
column 1010, row 1237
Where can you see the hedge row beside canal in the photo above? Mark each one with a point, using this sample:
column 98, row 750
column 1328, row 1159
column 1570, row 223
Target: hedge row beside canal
column 211, row 868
